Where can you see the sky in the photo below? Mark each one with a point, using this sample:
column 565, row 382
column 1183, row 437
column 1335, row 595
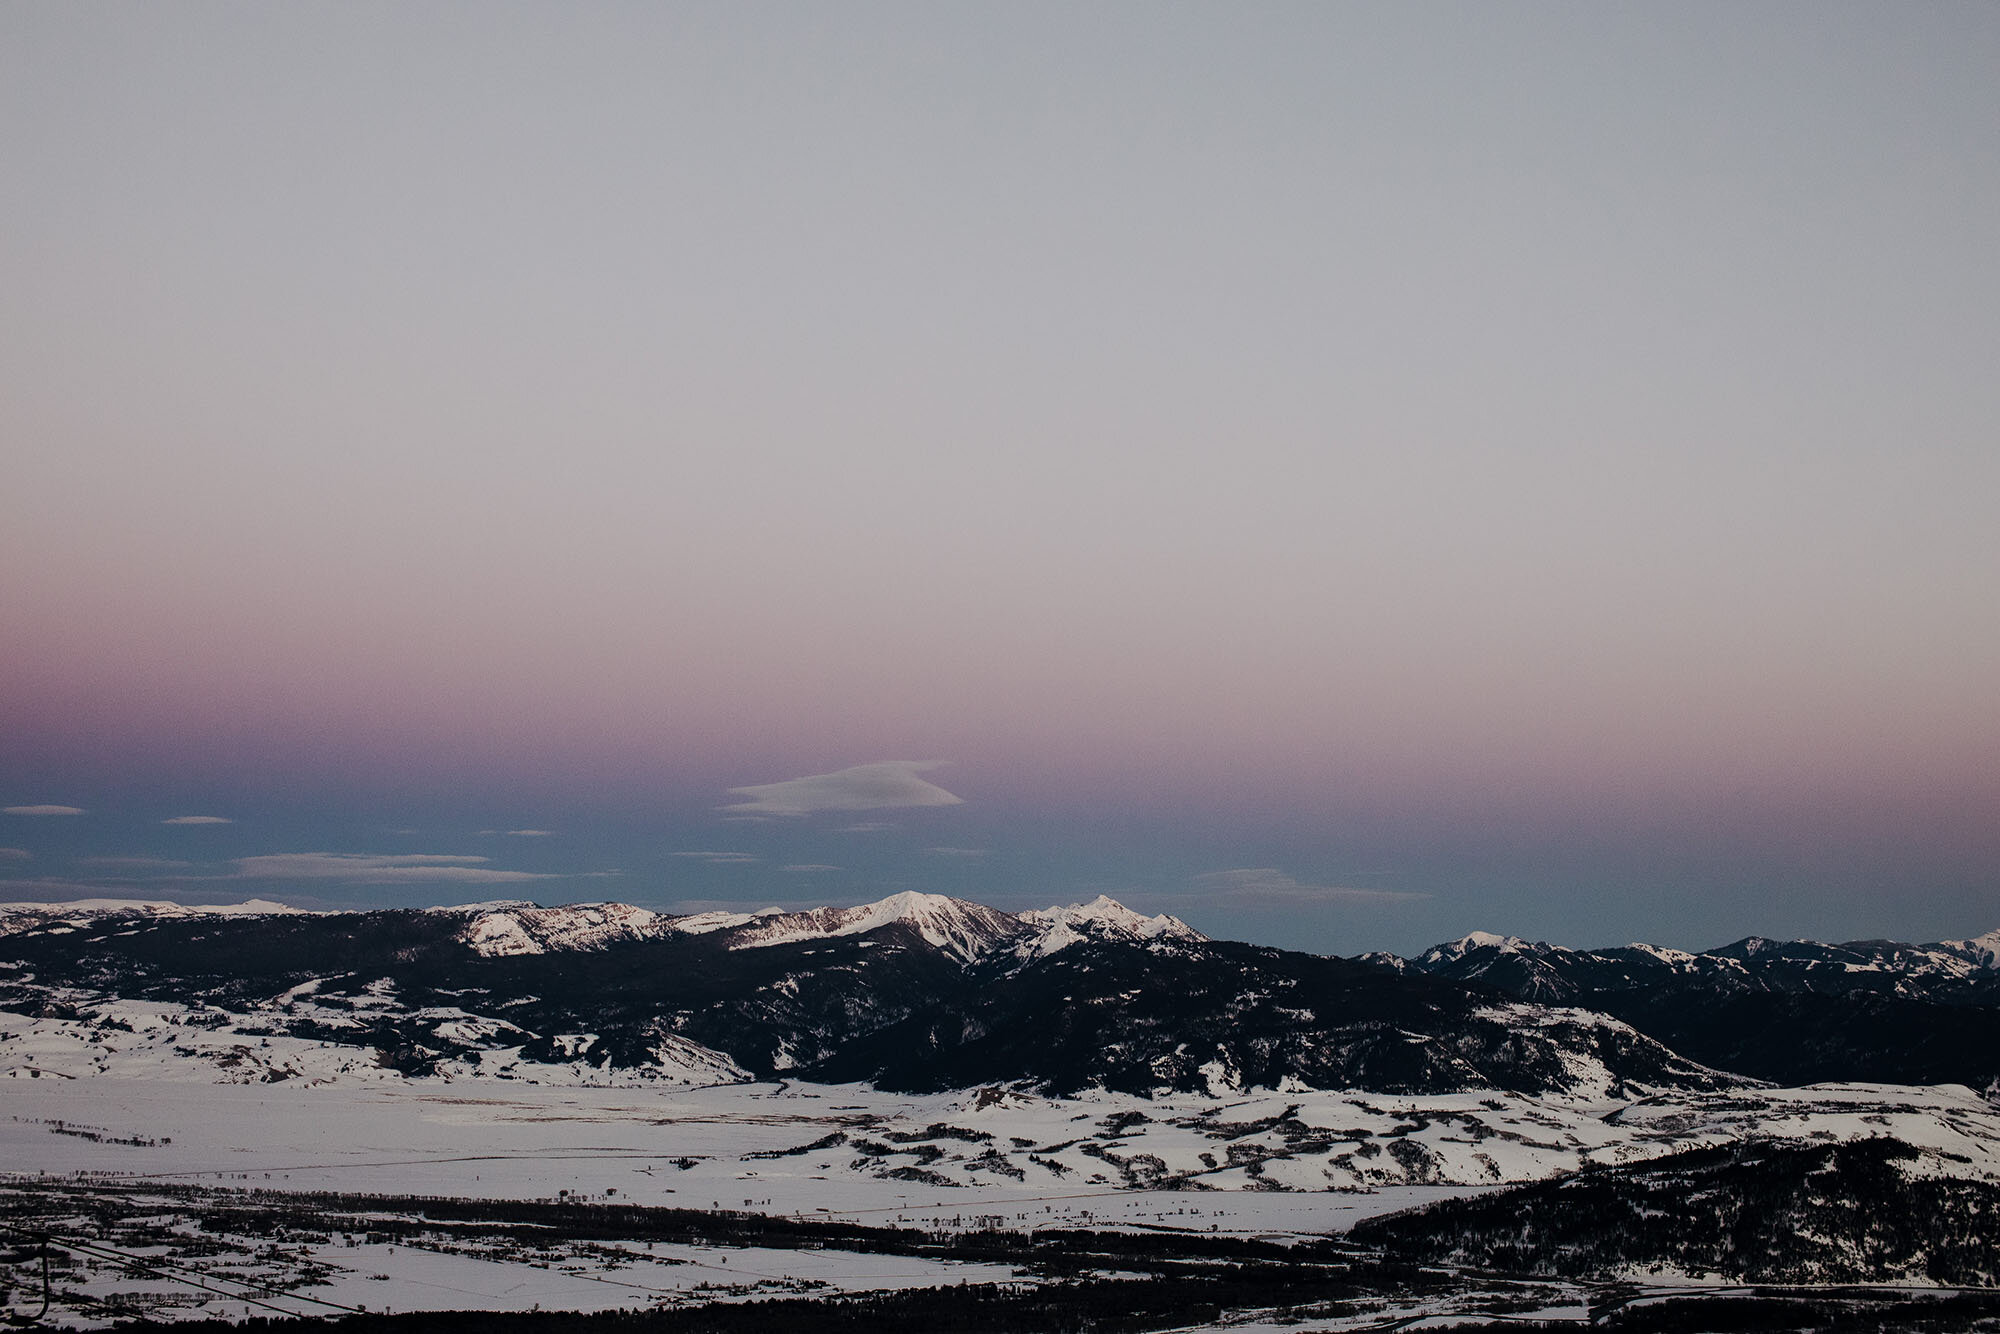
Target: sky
column 1347, row 475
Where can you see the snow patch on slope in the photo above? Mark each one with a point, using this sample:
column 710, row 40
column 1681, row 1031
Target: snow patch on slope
column 701, row 923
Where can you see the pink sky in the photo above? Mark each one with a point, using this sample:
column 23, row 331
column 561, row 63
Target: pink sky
column 1570, row 438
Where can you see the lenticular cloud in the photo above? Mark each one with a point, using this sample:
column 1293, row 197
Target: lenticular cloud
column 883, row 786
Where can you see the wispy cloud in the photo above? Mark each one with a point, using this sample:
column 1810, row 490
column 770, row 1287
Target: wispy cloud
column 1265, row 884
column 198, row 819
column 959, row 852
column 809, row 866
column 867, row 827
column 886, row 785
column 41, row 810
column 133, row 863
column 15, row 855
column 531, row 833
column 363, row 869
column 721, row 858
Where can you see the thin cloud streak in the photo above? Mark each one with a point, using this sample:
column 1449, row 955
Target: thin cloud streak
column 41, row 810
column 198, row 819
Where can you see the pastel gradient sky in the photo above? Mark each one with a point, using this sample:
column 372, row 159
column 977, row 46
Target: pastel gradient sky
column 1346, row 474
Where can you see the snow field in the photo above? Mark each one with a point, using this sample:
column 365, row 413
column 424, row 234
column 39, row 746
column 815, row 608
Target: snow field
column 1280, row 1162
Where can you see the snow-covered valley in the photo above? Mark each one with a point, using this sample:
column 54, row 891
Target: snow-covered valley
column 241, row 1102
column 1283, row 1167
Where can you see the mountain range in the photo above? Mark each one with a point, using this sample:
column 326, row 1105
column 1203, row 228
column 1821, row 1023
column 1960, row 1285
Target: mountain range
column 920, row 992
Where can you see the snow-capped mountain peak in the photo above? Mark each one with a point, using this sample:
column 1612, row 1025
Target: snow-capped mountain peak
column 968, row 931
column 957, row 926
column 1477, row 940
column 964, row 930
column 1981, row 950
column 1104, row 917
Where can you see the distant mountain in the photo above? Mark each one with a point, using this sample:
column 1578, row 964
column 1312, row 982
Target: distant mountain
column 967, row 932
column 915, row 992
column 23, row 916
column 1792, row 1012
column 1550, row 972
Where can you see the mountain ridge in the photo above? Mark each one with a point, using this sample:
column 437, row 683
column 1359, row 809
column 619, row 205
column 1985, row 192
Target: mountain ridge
column 1976, row 953
column 914, row 992
column 923, row 991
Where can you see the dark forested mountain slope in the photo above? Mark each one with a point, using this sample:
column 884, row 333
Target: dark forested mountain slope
column 1792, row 1012
column 1222, row 1016
column 917, row 993
column 923, row 992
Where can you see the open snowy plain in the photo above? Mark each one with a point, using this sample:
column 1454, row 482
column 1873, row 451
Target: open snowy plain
column 1268, row 1166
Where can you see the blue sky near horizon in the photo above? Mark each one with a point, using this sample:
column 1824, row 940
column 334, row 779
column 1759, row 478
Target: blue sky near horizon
column 1348, row 475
